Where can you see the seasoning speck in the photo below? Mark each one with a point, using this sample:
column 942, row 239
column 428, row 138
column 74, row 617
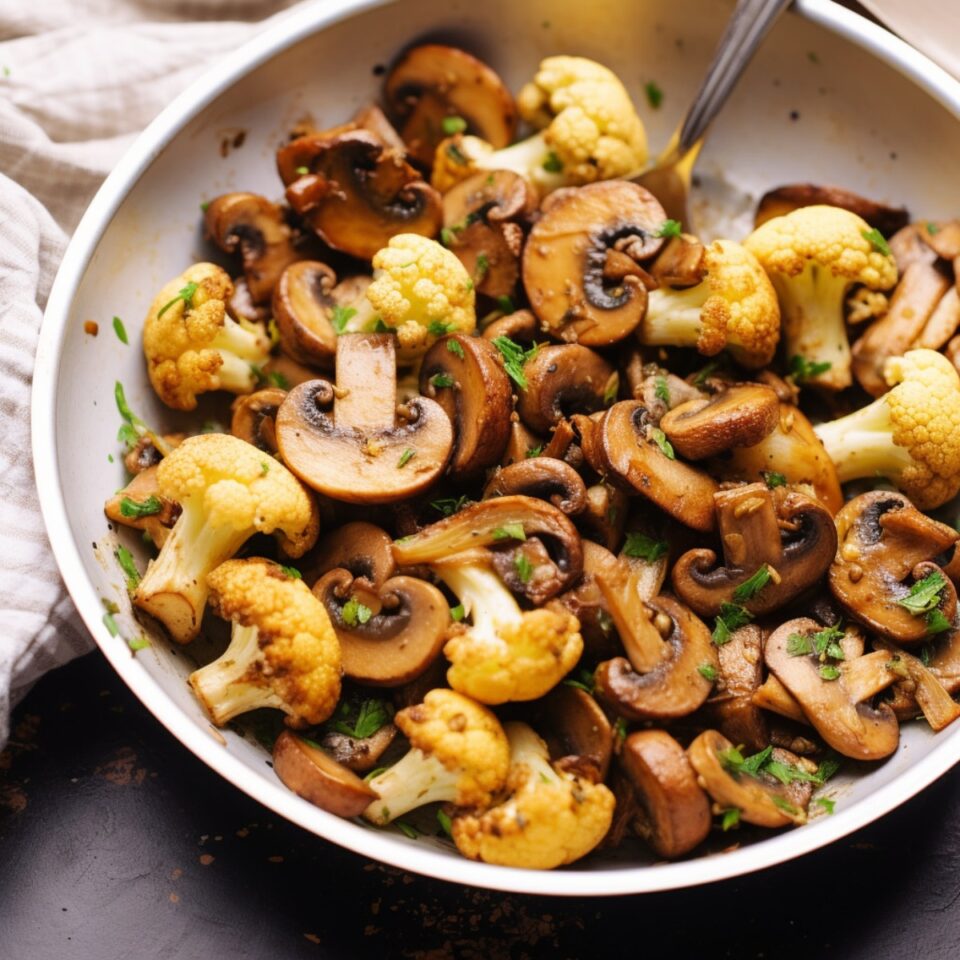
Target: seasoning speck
column 91, row 327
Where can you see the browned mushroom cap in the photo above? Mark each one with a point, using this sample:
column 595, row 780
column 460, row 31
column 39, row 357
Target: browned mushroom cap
column 370, row 117
column 853, row 728
column 793, row 450
column 254, row 417
column 885, row 544
column 674, row 688
column 740, row 416
column 358, row 753
column 677, row 809
column 140, row 506
column 360, row 547
column 254, row 227
column 942, row 323
column 521, row 325
column 431, row 82
column 741, row 674
column 304, row 301
column 783, row 200
column 920, row 290
column 760, row 800
column 497, row 521
column 543, row 477
column 392, row 645
column 481, row 221
column 316, row 777
column 681, row 263
column 562, row 380
column 144, row 452
column 605, row 516
column 576, row 730
column 466, row 378
column 784, row 531
column 356, row 194
column 579, row 264
column 625, row 450
column 366, row 450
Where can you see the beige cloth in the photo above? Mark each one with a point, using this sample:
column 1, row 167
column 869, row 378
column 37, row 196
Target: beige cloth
column 79, row 79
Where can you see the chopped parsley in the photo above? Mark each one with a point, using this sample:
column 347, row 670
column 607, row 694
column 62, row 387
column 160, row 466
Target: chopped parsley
column 829, row 672
column 110, row 624
column 523, row 567
column 452, row 125
column 127, row 565
column 752, row 585
column 876, row 240
column 120, row 330
column 302, row 171
column 937, row 623
column 660, row 439
column 613, row 388
column 826, row 802
column 926, row 654
column 708, row 371
column 277, row 379
column 457, row 613
column 448, row 236
column 803, row 369
column 457, row 155
column 514, row 358
column 406, row 829
column 406, row 457
column 708, row 671
column 445, row 823
column 341, row 316
column 620, row 729
column 371, row 716
column 534, row 451
column 455, row 347
column 448, row 506
column 185, row 294
column 133, row 428
column 773, row 479
column 134, row 509
column 785, row 805
column 730, row 819
column 483, row 266
column 641, row 546
column 731, row 617
column 505, row 304
column 553, row 164
column 264, row 467
column 583, row 681
column 439, row 328
column 669, row 228
column 654, row 94
column 661, row 390
column 509, row 531
column 441, row 380
column 354, row 612
column 932, row 228
column 923, row 600
column 292, row 572
column 138, row 643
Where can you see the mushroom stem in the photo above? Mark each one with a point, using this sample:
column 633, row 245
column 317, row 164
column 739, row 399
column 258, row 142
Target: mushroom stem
column 363, row 398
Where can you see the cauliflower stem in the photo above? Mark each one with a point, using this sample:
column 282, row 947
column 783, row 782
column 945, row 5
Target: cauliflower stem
column 673, row 316
column 415, row 780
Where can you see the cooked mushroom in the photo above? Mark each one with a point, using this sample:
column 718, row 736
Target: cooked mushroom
column 852, row 727
column 313, row 775
column 359, row 754
column 355, row 193
column 527, row 569
column 737, row 717
column 776, row 543
column 521, row 326
column 921, row 685
column 521, row 443
column 366, row 450
column 481, row 223
column 576, row 730
column 148, row 453
column 562, row 380
column 740, row 416
column 140, row 506
column 433, row 83
column 942, row 236
column 543, row 477
column 675, row 810
column 306, row 301
column 360, row 547
column 252, row 226
column 605, row 515
column 942, row 323
column 681, row 263
column 775, row 203
column 580, row 264
column 466, row 378
column 626, row 450
column 908, row 247
column 388, row 641
column 885, row 544
column 254, row 418
column 656, row 387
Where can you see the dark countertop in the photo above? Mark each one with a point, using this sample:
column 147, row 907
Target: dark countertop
column 116, row 843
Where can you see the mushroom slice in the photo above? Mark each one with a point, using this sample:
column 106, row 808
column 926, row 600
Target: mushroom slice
column 528, row 570
column 942, row 324
column 675, row 815
column 907, row 247
column 577, row 732
column 543, row 477
column 740, row 416
column 851, row 726
column 360, row 547
column 884, row 543
column 943, row 237
column 625, row 449
column 922, row 685
column 521, row 325
column 392, row 645
column 466, row 378
column 776, row 543
column 760, row 800
column 580, row 266
column 254, row 418
column 253, row 226
column 305, row 301
column 356, row 194
column 366, row 449
column 681, row 263
column 605, row 515
column 733, row 709
column 432, row 82
column 674, row 688
column 562, row 380
column 359, row 754
column 497, row 521
column 140, row 506
column 776, row 203
column 522, row 444
column 317, row 777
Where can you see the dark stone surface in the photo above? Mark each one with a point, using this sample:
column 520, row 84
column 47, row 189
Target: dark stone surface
column 116, row 843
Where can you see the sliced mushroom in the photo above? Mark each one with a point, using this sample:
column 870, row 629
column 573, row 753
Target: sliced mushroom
column 942, row 236
column 562, row 380
column 370, row 117
column 605, row 515
column 145, row 453
column 359, row 754
column 580, row 268
column 254, row 418
column 431, row 82
column 885, row 544
column 522, row 443
column 852, row 727
column 521, row 326
column 542, row 477
column 681, row 263
column 776, row 203
column 676, row 811
column 740, row 416
column 736, row 715
column 576, row 730
column 657, row 388
column 355, row 193
column 126, row 507
column 942, row 323
column 907, row 247
column 316, row 777
column 366, row 450
column 540, row 579
column 625, row 451
column 922, row 686
column 252, row 226
column 394, row 644
column 360, row 547
column 304, row 301
column 788, row 533
column 466, row 378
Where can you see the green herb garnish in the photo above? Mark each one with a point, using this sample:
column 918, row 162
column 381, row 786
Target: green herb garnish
column 829, row 672
column 441, row 380
column 445, row 823
column 644, row 548
column 452, row 125
column 185, row 294
column 876, row 240
column 509, row 531
column 457, row 613
column 708, row 671
column 731, row 617
column 534, row 451
column 730, row 819
column 483, row 265
column 341, row 316
column 455, row 347
column 371, row 716
column 406, row 829
column 925, row 594
column 292, row 572
column 773, row 479
column 120, row 330
column 128, row 566
column 583, row 681
column 669, row 228
column 523, row 567
column 138, row 643
column 660, row 439
column 752, row 585
column 514, row 358
column 448, row 506
column 406, row 457
column 708, row 371
column 439, row 328
column 133, row 509
column 354, row 612
column 826, row 803
column 662, row 391
column 553, row 164
column 654, row 94
column 505, row 305
column 803, row 369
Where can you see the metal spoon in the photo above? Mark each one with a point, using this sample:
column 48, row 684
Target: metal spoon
column 669, row 178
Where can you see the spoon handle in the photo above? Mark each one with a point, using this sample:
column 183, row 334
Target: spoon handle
column 749, row 23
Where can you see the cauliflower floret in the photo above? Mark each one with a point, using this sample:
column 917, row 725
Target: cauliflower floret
column 506, row 654
column 813, row 256
column 459, row 755
column 422, row 291
column 733, row 307
column 590, row 131
column 911, row 435
column 283, row 650
column 192, row 345
column 552, row 817
column 228, row 490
